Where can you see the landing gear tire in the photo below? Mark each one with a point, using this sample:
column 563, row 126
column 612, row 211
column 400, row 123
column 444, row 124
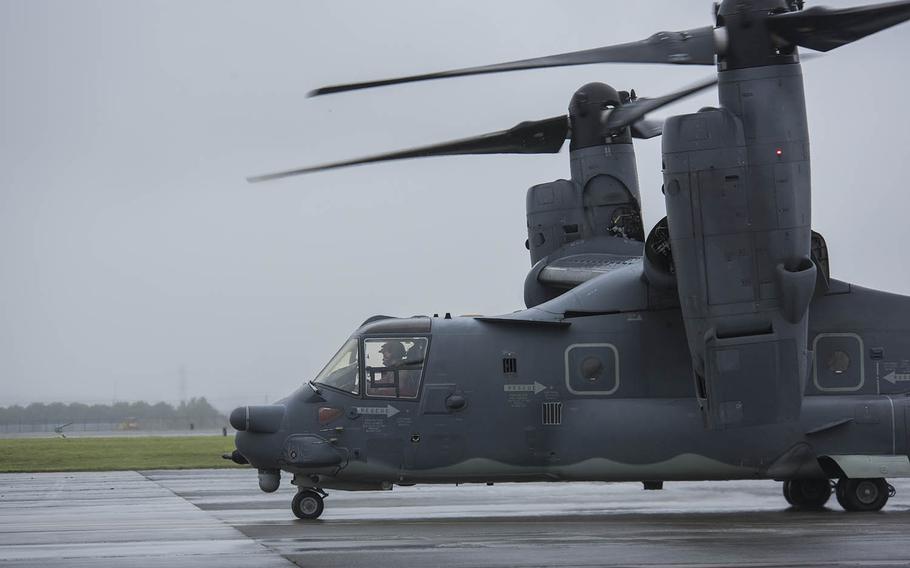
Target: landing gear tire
column 863, row 494
column 307, row 504
column 786, row 488
column 807, row 494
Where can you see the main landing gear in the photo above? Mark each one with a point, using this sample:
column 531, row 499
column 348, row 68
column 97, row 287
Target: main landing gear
column 308, row 503
column 852, row 494
column 807, row 494
column 863, row 494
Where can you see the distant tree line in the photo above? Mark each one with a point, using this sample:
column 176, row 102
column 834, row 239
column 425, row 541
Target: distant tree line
column 196, row 412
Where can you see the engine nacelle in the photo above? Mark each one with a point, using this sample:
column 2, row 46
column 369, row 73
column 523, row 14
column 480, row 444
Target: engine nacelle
column 740, row 235
column 599, row 204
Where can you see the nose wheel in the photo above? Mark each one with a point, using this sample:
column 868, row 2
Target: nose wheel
column 308, row 503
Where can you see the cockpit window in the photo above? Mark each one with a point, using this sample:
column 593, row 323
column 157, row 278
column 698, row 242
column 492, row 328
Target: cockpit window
column 394, row 366
column 342, row 372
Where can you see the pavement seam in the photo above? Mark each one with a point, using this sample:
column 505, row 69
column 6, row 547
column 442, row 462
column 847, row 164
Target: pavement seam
column 258, row 543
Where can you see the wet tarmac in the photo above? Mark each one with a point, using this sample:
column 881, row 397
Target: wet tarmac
column 220, row 518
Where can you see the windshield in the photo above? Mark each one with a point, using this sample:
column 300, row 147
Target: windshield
column 342, row 371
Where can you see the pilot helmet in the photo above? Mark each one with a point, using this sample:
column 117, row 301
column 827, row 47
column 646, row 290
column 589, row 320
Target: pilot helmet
column 393, row 348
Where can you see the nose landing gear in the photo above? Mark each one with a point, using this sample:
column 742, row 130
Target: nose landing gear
column 308, row 503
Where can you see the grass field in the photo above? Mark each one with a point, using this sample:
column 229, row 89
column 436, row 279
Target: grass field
column 122, row 453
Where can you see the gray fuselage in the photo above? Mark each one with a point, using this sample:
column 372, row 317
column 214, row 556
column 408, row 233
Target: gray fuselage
column 599, row 387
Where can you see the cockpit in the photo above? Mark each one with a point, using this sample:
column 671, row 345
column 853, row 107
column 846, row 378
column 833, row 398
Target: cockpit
column 377, row 367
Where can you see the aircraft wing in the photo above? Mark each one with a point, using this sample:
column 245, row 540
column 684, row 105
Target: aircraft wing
column 570, row 271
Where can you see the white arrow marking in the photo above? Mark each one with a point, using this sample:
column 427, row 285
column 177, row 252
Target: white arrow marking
column 894, row 377
column 536, row 388
column 387, row 411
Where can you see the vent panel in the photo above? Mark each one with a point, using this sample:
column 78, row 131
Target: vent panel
column 551, row 413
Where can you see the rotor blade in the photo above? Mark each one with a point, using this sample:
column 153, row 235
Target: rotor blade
column 644, row 128
column 633, row 111
column 690, row 47
column 533, row 137
column 824, row 29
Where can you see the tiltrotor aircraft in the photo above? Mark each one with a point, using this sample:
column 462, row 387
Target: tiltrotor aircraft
column 716, row 348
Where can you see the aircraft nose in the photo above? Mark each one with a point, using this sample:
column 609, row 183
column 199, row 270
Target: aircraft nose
column 260, row 433
column 261, row 450
column 266, row 419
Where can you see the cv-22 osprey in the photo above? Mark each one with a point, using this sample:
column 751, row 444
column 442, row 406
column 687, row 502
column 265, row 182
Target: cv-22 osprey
column 716, row 348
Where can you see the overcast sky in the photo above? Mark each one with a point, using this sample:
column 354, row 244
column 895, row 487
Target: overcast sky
column 132, row 247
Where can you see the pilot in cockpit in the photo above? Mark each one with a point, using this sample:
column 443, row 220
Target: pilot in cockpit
column 392, row 357
column 392, row 353
column 400, row 371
